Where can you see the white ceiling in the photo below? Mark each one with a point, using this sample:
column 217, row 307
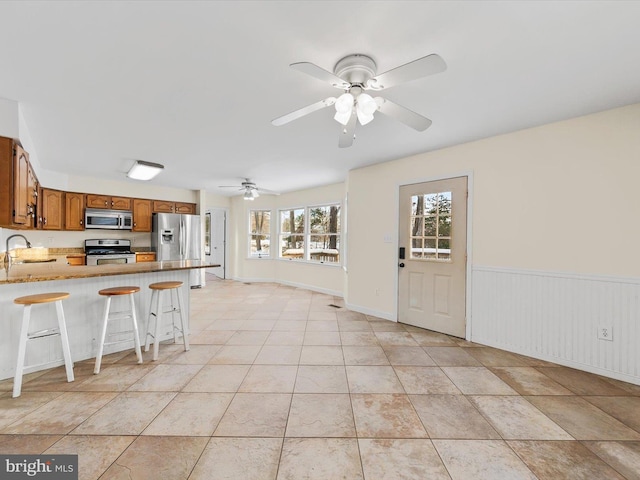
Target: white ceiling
column 194, row 85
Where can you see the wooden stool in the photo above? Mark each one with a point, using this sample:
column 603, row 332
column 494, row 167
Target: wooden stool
column 158, row 288
column 131, row 313
column 27, row 301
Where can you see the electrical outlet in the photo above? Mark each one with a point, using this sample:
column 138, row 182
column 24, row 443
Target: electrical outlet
column 377, row 292
column 605, row 332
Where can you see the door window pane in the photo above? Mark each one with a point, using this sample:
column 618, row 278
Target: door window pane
column 431, row 226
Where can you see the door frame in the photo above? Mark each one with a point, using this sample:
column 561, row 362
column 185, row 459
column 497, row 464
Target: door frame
column 226, row 240
column 468, row 293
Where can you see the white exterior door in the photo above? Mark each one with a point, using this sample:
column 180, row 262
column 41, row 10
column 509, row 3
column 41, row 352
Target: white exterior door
column 216, row 251
column 432, row 275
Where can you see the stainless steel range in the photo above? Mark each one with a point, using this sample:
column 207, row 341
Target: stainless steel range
column 103, row 252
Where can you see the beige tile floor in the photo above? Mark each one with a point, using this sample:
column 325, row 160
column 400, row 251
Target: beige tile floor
column 279, row 384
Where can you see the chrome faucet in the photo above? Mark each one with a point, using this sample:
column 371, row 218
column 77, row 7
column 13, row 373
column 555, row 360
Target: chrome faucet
column 7, row 257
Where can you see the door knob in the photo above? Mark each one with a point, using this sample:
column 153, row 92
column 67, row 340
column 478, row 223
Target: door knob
column 401, row 265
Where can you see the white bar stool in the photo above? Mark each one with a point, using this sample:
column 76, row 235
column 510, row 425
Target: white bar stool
column 156, row 295
column 131, row 313
column 28, row 301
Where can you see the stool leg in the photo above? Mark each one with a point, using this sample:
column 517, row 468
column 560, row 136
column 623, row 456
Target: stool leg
column 22, row 349
column 103, row 335
column 136, row 334
column 185, row 334
column 156, row 336
column 62, row 325
column 173, row 314
column 147, row 342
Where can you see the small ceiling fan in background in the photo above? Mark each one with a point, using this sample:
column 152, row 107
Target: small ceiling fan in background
column 250, row 189
column 356, row 74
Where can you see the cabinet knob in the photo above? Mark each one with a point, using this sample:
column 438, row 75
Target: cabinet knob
column 44, row 221
column 81, row 222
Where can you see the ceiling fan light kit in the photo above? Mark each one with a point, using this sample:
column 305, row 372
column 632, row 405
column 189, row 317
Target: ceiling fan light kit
column 356, row 73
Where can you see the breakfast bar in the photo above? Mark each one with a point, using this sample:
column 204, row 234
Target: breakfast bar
column 83, row 308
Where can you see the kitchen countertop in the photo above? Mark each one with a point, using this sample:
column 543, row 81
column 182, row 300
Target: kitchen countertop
column 42, row 272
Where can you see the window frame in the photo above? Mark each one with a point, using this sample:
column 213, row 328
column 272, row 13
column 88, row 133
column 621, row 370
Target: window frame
column 251, row 234
column 307, row 234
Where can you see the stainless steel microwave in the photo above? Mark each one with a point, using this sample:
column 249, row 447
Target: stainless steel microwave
column 108, row 219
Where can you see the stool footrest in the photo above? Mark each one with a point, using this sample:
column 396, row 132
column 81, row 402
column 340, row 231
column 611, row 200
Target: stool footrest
column 116, row 342
column 124, row 332
column 49, row 332
column 120, row 315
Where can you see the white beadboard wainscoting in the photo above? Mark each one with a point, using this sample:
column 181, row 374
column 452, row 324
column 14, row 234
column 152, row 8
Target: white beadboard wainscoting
column 555, row 317
column 83, row 313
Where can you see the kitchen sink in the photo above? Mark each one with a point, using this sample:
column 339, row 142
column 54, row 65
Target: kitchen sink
column 31, row 260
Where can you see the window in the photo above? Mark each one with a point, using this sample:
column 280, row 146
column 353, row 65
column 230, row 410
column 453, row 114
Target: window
column 207, row 233
column 260, row 233
column 324, row 233
column 311, row 234
column 431, row 226
column 292, row 234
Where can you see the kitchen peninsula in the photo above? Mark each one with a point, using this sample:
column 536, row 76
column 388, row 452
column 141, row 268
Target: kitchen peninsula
column 83, row 309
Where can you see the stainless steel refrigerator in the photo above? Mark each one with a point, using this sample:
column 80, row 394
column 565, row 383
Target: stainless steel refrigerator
column 178, row 237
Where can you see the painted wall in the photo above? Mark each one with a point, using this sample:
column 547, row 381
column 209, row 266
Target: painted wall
column 325, row 278
column 552, row 200
column 560, row 197
column 9, row 126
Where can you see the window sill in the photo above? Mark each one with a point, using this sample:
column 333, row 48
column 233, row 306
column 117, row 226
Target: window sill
column 310, row 262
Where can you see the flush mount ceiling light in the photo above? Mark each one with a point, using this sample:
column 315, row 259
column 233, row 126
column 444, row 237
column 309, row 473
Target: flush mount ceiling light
column 142, row 170
column 356, row 73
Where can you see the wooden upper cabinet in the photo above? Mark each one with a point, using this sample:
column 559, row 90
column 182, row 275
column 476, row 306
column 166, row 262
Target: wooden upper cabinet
column 51, row 209
column 74, row 211
column 121, row 203
column 98, row 201
column 32, row 194
column 21, row 198
column 161, row 206
column 108, row 202
column 141, row 215
column 189, row 208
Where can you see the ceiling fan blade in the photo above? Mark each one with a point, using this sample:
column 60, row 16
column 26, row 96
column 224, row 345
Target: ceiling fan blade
column 327, row 102
column 320, row 74
column 347, row 132
column 422, row 67
column 231, row 186
column 402, row 114
column 267, row 192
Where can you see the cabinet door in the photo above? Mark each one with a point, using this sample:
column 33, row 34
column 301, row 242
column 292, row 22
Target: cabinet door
column 141, row 215
column 32, row 194
column 52, row 209
column 98, row 201
column 21, row 198
column 121, row 203
column 189, row 208
column 74, row 211
column 160, row 206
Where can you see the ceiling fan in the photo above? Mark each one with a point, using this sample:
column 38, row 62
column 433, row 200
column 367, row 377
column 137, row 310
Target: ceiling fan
column 356, row 74
column 250, row 189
